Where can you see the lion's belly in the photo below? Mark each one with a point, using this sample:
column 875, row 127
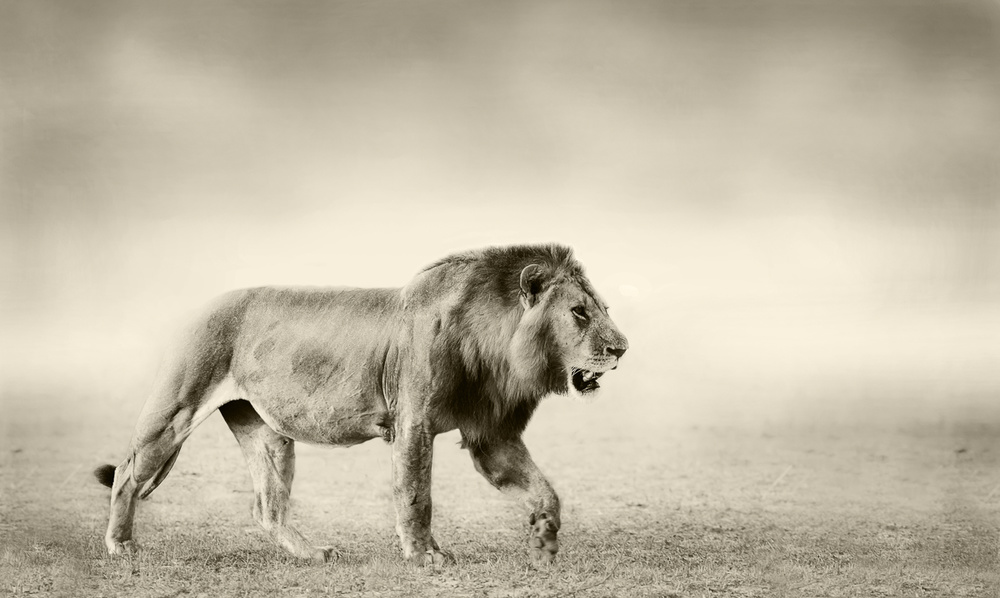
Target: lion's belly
column 312, row 362
column 323, row 420
column 317, row 396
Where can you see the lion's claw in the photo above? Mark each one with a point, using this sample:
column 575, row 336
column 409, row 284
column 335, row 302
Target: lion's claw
column 542, row 542
column 121, row 547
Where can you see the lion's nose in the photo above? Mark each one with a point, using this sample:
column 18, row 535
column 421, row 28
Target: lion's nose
column 616, row 351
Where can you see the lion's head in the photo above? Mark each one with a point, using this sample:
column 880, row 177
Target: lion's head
column 565, row 320
column 522, row 321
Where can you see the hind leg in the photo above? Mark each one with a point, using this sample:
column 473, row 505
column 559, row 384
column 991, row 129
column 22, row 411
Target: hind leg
column 167, row 419
column 271, row 460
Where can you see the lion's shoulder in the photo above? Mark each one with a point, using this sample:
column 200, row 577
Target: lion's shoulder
column 437, row 286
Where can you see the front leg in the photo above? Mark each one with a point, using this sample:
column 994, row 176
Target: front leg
column 508, row 466
column 412, row 452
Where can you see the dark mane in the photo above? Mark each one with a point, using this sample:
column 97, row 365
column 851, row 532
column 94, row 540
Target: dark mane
column 498, row 270
column 489, row 397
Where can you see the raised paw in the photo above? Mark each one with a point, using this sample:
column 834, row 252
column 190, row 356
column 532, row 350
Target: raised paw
column 121, row 547
column 542, row 542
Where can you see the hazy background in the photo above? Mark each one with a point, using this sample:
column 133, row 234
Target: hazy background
column 791, row 206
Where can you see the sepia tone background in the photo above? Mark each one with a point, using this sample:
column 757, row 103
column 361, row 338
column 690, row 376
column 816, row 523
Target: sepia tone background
column 792, row 207
column 783, row 198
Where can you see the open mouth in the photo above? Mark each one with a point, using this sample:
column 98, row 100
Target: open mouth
column 585, row 381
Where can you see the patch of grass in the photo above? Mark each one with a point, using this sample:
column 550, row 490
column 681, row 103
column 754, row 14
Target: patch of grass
column 780, row 510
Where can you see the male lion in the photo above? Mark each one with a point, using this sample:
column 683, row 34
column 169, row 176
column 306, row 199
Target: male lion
column 473, row 342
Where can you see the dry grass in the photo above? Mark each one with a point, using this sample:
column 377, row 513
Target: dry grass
column 777, row 509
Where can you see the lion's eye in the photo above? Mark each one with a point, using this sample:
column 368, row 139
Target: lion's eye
column 580, row 313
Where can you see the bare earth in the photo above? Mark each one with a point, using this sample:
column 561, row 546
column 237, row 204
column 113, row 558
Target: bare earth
column 652, row 508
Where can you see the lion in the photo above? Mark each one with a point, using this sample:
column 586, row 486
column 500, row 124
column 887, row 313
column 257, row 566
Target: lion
column 473, row 343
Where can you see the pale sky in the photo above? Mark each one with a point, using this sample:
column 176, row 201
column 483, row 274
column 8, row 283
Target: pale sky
column 761, row 188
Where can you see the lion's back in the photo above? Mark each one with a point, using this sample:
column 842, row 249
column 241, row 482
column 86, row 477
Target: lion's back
column 340, row 319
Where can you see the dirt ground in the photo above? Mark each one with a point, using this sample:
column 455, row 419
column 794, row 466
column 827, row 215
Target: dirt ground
column 653, row 506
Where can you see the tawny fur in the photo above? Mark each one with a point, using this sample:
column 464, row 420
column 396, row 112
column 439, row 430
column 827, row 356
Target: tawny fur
column 474, row 342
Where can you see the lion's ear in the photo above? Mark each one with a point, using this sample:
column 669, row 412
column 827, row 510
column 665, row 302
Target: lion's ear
column 532, row 283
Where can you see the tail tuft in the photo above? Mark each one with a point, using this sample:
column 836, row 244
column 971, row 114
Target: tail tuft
column 105, row 474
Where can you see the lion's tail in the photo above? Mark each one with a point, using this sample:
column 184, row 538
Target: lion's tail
column 105, row 474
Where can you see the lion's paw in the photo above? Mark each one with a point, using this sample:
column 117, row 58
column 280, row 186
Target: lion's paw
column 542, row 542
column 325, row 554
column 432, row 556
column 439, row 556
column 121, row 547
